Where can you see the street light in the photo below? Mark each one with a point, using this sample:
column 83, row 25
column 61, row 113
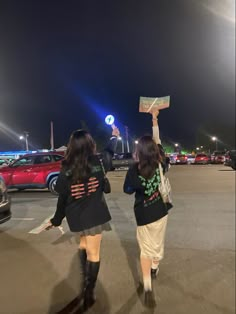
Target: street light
column 214, row 139
column 197, row 148
column 21, row 137
column 136, row 142
column 176, row 145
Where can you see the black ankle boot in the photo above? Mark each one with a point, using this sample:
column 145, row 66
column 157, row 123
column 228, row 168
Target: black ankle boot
column 92, row 269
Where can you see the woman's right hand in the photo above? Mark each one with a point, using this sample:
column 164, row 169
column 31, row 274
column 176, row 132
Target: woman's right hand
column 49, row 226
column 116, row 132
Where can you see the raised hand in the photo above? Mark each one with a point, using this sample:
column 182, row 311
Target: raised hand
column 115, row 131
column 155, row 113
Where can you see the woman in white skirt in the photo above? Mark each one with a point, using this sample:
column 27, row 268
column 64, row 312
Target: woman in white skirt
column 143, row 179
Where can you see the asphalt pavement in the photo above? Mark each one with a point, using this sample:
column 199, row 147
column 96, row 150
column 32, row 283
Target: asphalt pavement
column 39, row 272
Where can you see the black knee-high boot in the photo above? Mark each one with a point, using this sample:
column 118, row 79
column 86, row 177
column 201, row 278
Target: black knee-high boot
column 92, row 269
column 83, row 260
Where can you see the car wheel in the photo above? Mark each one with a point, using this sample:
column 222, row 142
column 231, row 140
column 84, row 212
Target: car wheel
column 52, row 185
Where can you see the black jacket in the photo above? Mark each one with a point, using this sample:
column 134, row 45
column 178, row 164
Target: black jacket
column 90, row 210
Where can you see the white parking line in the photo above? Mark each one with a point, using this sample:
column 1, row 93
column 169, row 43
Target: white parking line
column 41, row 227
column 26, row 219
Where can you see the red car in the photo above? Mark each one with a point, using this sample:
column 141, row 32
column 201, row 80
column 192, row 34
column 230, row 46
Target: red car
column 34, row 171
column 181, row 159
column 202, row 159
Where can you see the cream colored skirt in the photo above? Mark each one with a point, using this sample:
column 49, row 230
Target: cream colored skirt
column 151, row 239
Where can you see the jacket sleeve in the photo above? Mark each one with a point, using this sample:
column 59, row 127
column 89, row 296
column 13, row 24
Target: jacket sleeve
column 128, row 186
column 63, row 191
column 108, row 153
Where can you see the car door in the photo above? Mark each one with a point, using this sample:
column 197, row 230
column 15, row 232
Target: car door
column 22, row 171
column 42, row 165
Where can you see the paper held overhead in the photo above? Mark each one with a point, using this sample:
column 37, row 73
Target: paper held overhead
column 147, row 104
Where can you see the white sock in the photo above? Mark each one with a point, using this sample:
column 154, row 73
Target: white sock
column 155, row 265
column 147, row 282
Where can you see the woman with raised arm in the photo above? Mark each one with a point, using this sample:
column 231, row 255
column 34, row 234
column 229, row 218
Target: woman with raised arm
column 80, row 186
column 143, row 179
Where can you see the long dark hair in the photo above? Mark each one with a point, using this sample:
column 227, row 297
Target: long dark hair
column 148, row 156
column 81, row 148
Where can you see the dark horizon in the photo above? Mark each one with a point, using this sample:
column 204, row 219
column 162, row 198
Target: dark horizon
column 80, row 61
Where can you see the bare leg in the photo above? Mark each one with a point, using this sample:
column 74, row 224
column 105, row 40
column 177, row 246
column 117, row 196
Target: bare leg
column 146, row 264
column 82, row 243
column 93, row 244
column 155, row 268
column 155, row 263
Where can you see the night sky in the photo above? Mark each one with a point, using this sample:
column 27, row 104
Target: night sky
column 69, row 61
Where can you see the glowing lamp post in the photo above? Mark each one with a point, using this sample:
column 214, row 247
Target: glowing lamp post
column 214, row 139
column 26, row 140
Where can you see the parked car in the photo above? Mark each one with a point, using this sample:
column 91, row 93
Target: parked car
column 123, row 160
column 218, row 157
column 5, row 203
column 33, row 171
column 191, row 159
column 230, row 159
column 173, row 158
column 202, row 159
column 181, row 159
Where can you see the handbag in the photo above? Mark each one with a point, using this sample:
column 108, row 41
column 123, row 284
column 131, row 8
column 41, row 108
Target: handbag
column 106, row 183
column 164, row 187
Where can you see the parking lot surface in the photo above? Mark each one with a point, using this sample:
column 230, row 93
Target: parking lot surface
column 40, row 272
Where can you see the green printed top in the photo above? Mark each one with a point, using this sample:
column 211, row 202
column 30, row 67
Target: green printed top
column 148, row 206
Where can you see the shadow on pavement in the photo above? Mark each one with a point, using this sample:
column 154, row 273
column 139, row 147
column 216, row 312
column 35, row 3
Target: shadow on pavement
column 228, row 170
column 131, row 250
column 24, row 274
column 71, row 284
column 68, row 286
